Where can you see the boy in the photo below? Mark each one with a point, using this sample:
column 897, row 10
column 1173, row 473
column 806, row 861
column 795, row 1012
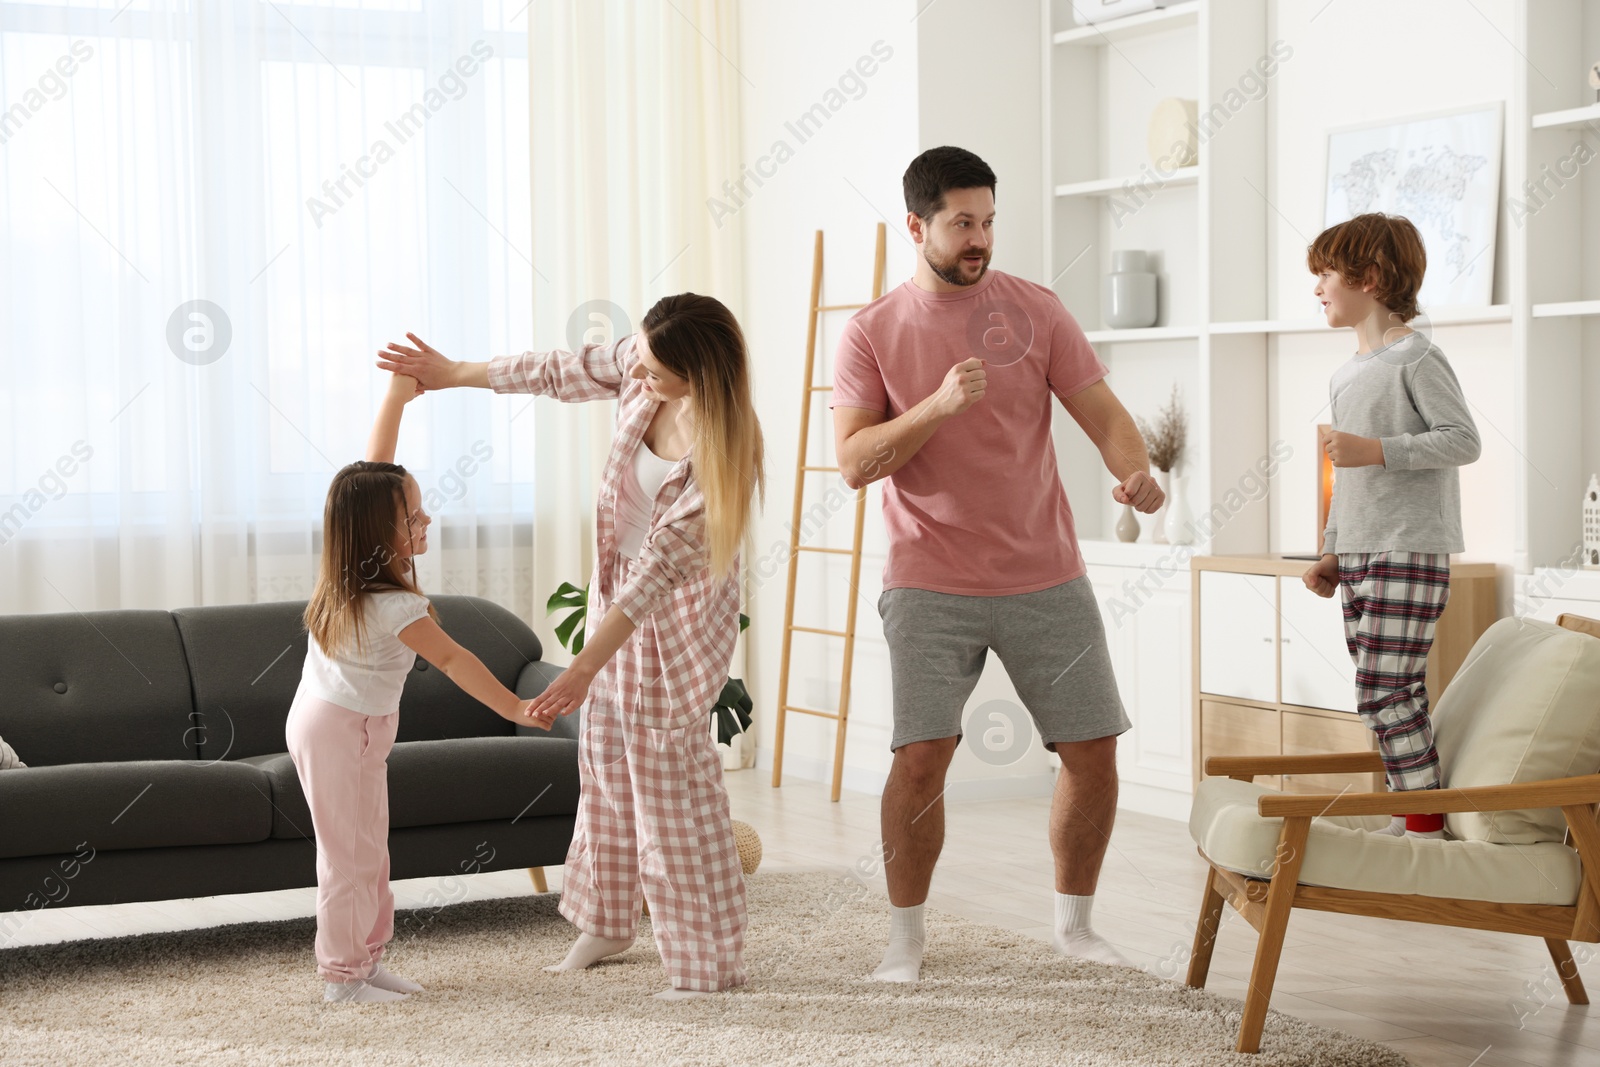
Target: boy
column 1400, row 429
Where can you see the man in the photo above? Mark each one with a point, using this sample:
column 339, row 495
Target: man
column 943, row 387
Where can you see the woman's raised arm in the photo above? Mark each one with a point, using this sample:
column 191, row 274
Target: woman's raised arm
column 430, row 367
column 594, row 372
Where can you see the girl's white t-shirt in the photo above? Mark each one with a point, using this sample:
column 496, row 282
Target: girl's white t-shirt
column 368, row 683
column 636, row 497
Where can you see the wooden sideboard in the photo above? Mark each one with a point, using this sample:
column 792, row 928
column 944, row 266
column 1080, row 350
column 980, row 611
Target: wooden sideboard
column 1272, row 674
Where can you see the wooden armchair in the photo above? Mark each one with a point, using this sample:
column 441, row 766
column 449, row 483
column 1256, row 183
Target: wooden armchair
column 1266, row 896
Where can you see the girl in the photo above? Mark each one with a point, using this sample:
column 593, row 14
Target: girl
column 368, row 622
column 675, row 502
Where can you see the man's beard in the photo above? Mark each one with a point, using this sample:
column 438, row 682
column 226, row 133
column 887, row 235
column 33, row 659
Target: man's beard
column 950, row 272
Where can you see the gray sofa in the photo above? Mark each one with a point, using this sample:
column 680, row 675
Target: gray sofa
column 155, row 750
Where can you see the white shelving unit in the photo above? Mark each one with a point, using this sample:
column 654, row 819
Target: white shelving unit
column 1130, row 185
column 1555, row 273
column 1573, row 118
column 1124, row 29
column 1443, row 316
column 1211, row 233
column 1208, row 229
column 1101, row 83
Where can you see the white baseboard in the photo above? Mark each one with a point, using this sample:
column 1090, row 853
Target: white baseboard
column 1154, row 800
column 810, row 769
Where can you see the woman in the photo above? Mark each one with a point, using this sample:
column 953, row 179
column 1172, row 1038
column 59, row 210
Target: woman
column 675, row 501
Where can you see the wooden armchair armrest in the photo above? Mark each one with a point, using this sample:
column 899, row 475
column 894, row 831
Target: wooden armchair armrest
column 1550, row 793
column 1330, row 763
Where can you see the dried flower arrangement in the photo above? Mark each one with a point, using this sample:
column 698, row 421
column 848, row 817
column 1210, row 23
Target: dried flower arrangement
column 1165, row 440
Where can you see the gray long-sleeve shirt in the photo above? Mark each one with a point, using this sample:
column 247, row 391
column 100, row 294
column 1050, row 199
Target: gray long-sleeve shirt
column 1406, row 395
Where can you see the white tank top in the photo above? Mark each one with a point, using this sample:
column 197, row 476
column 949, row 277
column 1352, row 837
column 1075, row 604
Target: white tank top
column 636, row 498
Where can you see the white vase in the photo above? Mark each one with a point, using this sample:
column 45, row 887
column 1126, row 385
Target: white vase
column 1128, row 525
column 1178, row 523
column 1158, row 526
column 1130, row 297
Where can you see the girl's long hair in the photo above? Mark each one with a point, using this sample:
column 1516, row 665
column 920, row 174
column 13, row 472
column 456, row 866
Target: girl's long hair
column 698, row 338
column 365, row 502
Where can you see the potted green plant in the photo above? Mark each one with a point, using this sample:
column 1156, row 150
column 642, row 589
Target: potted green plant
column 733, row 707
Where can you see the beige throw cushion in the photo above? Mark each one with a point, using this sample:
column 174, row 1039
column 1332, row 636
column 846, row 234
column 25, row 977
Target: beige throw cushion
column 1524, row 706
column 8, row 757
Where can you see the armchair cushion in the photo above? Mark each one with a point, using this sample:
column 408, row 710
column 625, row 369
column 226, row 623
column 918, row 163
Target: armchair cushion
column 1341, row 854
column 1525, row 706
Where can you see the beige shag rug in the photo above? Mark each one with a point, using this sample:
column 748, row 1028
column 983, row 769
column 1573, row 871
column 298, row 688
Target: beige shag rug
column 249, row 995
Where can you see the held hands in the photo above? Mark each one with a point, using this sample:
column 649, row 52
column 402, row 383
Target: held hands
column 963, row 386
column 563, row 697
column 1352, row 450
column 1140, row 490
column 404, row 388
column 523, row 715
column 424, row 363
column 1322, row 577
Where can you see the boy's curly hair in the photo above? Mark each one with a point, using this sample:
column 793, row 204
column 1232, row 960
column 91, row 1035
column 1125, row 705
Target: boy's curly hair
column 1384, row 249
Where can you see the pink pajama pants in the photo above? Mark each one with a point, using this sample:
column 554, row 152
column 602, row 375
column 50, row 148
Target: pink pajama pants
column 653, row 818
column 342, row 759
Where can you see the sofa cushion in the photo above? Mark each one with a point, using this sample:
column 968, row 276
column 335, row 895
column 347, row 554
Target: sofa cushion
column 137, row 804
column 463, row 779
column 1524, row 706
column 94, row 688
column 246, row 662
column 1342, row 854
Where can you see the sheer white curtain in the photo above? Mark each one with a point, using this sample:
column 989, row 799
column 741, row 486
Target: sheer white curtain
column 325, row 176
column 635, row 124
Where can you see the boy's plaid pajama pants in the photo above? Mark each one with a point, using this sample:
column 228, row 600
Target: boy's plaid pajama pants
column 1392, row 601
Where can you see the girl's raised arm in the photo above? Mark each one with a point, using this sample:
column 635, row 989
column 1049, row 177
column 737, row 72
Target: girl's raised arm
column 386, row 430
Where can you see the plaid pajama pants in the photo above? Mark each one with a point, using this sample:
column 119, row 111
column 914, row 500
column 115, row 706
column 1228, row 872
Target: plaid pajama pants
column 1392, row 601
column 653, row 816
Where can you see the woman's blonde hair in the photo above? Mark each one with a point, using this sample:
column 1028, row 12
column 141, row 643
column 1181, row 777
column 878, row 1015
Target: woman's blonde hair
column 365, row 501
column 697, row 338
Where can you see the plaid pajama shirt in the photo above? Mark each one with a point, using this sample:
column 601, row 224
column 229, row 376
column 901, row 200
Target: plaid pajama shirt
column 653, row 815
column 1392, row 601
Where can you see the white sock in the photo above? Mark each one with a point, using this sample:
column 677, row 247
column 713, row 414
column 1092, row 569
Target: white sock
column 1437, row 835
column 1075, row 938
column 386, row 979
column 359, row 991
column 902, row 960
column 682, row 994
column 589, row 950
column 1396, row 827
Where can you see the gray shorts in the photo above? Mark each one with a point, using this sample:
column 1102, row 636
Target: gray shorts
column 1051, row 642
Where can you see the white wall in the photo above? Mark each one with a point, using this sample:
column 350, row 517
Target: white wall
column 1363, row 61
column 843, row 181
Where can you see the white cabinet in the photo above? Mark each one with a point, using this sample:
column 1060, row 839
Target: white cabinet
column 1275, row 675
column 1238, row 627
column 1316, row 664
column 1147, row 632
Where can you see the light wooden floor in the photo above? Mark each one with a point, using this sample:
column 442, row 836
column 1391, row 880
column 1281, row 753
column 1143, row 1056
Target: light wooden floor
column 1441, row 997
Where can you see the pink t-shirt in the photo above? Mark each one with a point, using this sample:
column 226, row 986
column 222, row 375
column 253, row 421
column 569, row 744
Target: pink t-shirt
column 980, row 509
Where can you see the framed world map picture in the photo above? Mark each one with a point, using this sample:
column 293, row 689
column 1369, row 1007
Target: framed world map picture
column 1441, row 171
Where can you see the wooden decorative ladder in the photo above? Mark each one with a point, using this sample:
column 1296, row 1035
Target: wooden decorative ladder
column 802, row 468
